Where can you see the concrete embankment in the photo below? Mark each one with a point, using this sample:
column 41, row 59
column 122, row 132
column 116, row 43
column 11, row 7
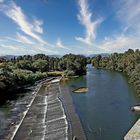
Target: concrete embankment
column 46, row 119
column 134, row 132
column 75, row 127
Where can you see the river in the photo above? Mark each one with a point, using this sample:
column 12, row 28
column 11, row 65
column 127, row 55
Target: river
column 104, row 110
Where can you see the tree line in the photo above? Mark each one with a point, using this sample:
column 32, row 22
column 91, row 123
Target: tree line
column 22, row 70
column 127, row 62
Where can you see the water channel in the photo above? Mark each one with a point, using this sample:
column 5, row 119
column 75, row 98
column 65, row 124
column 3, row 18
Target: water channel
column 104, row 110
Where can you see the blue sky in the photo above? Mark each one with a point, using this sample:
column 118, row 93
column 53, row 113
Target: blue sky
column 68, row 26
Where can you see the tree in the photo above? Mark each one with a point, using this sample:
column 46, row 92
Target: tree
column 40, row 65
column 128, row 63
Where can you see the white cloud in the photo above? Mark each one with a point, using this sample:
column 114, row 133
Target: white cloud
column 84, row 17
column 1, row 1
column 19, row 39
column 23, row 39
column 6, row 49
column 37, row 26
column 28, row 41
column 129, row 14
column 119, row 44
column 46, row 51
column 8, row 46
column 20, row 49
column 60, row 45
column 15, row 13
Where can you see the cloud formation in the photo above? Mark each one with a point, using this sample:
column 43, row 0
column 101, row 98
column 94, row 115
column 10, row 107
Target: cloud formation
column 119, row 44
column 10, row 46
column 1, row 1
column 129, row 14
column 28, row 40
column 60, row 44
column 85, row 18
column 23, row 39
column 15, row 13
column 37, row 26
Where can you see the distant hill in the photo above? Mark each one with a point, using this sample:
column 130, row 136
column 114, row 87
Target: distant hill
column 58, row 56
column 7, row 56
column 12, row 56
column 102, row 54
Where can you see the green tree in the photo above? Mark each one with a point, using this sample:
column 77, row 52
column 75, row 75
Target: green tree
column 40, row 65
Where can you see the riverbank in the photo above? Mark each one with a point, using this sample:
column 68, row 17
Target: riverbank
column 134, row 132
column 128, row 63
column 75, row 127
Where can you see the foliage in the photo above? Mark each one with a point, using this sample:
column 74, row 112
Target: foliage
column 22, row 70
column 128, row 63
column 69, row 73
column 55, row 73
column 40, row 65
column 76, row 64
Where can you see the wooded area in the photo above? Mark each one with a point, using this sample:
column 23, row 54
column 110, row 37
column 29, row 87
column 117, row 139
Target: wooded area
column 127, row 62
column 22, row 70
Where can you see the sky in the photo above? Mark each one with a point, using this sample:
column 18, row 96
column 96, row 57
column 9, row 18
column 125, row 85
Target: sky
column 58, row 27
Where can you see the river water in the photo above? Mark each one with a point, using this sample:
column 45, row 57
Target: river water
column 104, row 110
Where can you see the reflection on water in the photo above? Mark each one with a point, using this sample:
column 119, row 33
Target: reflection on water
column 105, row 110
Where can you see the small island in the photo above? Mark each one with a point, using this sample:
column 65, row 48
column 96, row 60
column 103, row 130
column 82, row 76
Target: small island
column 81, row 90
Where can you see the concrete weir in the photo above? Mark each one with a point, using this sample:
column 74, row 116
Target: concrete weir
column 134, row 132
column 48, row 115
column 75, row 129
column 45, row 119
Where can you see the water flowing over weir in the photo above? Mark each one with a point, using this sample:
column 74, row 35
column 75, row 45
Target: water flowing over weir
column 45, row 118
column 56, row 122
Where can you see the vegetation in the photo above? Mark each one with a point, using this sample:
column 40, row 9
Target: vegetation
column 22, row 70
column 128, row 63
column 73, row 64
column 55, row 73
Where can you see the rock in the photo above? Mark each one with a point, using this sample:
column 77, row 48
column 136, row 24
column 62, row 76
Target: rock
column 81, row 90
column 135, row 108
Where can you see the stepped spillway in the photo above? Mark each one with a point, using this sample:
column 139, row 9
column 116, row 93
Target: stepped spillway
column 45, row 119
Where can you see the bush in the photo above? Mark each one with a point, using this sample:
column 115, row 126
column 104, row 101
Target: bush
column 69, row 73
column 22, row 77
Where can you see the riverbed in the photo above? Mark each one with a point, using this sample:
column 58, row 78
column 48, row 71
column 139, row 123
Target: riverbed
column 104, row 111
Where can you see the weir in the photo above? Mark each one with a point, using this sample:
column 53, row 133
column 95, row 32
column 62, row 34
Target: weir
column 48, row 115
column 45, row 118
